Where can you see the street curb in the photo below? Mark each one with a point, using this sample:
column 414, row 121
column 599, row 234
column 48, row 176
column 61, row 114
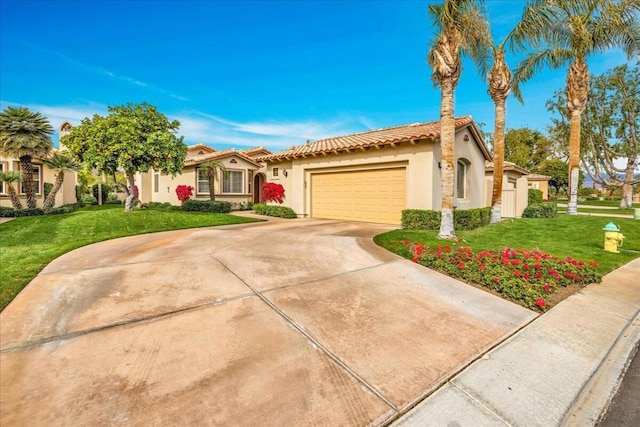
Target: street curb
column 596, row 394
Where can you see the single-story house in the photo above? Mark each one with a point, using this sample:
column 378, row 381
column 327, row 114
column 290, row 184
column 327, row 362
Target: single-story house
column 372, row 176
column 539, row 182
column 514, row 189
column 41, row 174
column 241, row 183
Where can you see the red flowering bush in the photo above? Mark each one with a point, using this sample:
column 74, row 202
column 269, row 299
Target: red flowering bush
column 527, row 276
column 272, row 192
column 184, row 192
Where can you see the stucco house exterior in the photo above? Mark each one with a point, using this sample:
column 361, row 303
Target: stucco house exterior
column 41, row 174
column 539, row 182
column 372, row 176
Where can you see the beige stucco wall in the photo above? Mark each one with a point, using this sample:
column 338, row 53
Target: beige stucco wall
column 542, row 186
column 66, row 194
column 167, row 183
column 420, row 161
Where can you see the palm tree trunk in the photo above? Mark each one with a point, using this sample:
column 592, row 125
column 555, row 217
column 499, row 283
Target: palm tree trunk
column 27, row 176
column 498, row 162
column 212, row 189
column 50, row 201
column 574, row 162
column 128, row 202
column 447, row 163
column 15, row 200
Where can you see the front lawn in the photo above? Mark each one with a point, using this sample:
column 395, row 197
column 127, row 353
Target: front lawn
column 28, row 244
column 578, row 237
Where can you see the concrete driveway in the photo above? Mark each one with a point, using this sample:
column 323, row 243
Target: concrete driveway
column 300, row 322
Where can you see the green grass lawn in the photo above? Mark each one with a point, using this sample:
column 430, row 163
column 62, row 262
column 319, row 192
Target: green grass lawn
column 607, row 203
column 580, row 237
column 599, row 210
column 28, row 244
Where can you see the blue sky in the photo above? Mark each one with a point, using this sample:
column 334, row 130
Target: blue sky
column 239, row 74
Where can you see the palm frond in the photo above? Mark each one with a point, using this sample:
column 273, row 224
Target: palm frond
column 536, row 62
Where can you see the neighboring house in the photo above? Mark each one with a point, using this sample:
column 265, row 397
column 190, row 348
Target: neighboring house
column 240, row 184
column 41, row 175
column 539, row 182
column 515, row 195
column 372, row 176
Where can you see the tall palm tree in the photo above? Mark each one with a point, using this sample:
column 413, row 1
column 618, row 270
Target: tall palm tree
column 569, row 31
column 61, row 162
column 11, row 178
column 462, row 28
column 500, row 83
column 25, row 135
column 211, row 168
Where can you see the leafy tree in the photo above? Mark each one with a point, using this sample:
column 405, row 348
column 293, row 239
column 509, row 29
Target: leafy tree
column 462, row 28
column 610, row 130
column 133, row 138
column 10, row 178
column 569, row 31
column 527, row 148
column 61, row 162
column 25, row 135
column 211, row 169
column 558, row 170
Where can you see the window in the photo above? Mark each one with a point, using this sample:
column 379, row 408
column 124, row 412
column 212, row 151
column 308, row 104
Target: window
column 203, row 182
column 274, row 172
column 156, row 181
column 233, row 182
column 249, row 182
column 3, row 168
column 461, row 180
column 37, row 180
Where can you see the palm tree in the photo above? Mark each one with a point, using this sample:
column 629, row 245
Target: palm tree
column 461, row 28
column 61, row 162
column 10, row 178
column 211, row 168
column 500, row 83
column 569, row 31
column 24, row 134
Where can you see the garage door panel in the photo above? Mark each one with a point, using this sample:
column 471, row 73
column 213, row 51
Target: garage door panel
column 377, row 195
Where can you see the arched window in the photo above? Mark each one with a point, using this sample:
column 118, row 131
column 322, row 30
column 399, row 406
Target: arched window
column 462, row 172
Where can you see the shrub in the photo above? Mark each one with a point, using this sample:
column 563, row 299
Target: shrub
column 112, row 199
column 6, row 212
column 63, row 209
column 106, row 190
column 540, row 210
column 467, row 219
column 535, row 196
column 166, row 206
column 47, row 189
column 88, row 199
column 277, row 211
column 78, row 193
column 241, row 206
column 184, row 192
column 206, row 206
column 527, row 276
column 272, row 192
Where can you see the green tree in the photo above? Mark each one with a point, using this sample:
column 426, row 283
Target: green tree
column 211, row 168
column 61, row 162
column 527, row 148
column 569, row 31
column 558, row 171
column 10, row 178
column 462, row 28
column 25, row 134
column 133, row 138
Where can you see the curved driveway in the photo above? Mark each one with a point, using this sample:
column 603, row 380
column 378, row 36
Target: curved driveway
column 301, row 322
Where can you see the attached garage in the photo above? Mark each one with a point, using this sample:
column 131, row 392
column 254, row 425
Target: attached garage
column 375, row 195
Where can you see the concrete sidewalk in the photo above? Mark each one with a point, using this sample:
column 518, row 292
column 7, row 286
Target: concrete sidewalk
column 562, row 369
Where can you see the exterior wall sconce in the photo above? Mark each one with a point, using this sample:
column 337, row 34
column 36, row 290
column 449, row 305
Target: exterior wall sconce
column 465, row 138
column 285, row 173
column 439, row 165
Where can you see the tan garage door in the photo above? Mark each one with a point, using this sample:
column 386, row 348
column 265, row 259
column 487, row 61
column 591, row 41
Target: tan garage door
column 377, row 195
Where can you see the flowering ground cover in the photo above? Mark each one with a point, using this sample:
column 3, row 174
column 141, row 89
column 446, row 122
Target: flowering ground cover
column 535, row 262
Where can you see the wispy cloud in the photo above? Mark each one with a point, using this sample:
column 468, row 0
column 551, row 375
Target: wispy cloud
column 102, row 71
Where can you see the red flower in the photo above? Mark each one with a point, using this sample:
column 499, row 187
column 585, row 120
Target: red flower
column 547, row 288
column 482, row 266
column 496, row 279
column 415, row 259
column 594, row 264
column 517, row 273
column 461, row 266
column 406, row 242
column 541, row 303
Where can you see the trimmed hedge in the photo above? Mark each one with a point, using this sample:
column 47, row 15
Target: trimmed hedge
column 63, row 209
column 534, row 196
column 271, row 210
column 7, row 212
column 166, row 206
column 540, row 210
column 206, row 206
column 465, row 219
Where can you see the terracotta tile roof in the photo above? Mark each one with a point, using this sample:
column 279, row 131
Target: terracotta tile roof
column 363, row 140
column 256, row 150
column 508, row 166
column 219, row 155
column 537, row 177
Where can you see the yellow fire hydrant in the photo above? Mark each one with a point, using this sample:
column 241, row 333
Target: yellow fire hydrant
column 613, row 238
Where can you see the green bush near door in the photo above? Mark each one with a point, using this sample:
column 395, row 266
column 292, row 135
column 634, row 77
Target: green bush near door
column 467, row 219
